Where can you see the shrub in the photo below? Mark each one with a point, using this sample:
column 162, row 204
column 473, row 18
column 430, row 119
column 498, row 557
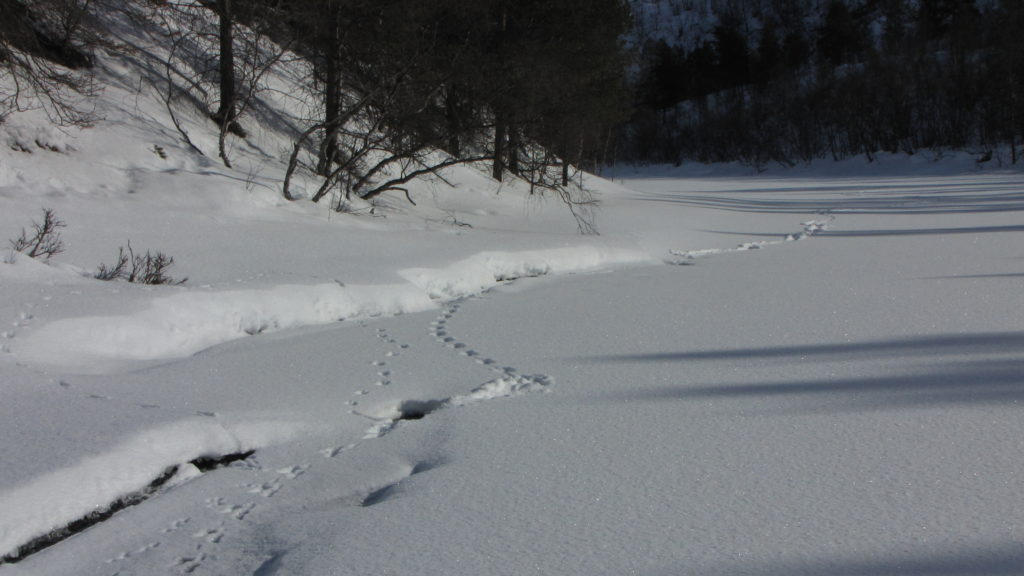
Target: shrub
column 45, row 240
column 148, row 268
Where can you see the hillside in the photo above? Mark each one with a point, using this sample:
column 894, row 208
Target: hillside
column 790, row 82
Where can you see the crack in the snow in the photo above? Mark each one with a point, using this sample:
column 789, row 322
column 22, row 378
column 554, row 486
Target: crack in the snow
column 57, row 535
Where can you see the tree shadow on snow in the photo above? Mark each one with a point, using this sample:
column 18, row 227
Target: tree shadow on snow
column 888, row 197
column 979, row 380
column 1002, row 560
column 973, row 230
column 980, row 342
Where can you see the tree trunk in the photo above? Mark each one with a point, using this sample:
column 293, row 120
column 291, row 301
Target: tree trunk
column 228, row 97
column 332, row 93
column 512, row 149
column 500, row 130
column 453, row 121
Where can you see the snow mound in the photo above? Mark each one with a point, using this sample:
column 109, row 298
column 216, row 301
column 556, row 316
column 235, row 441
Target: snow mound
column 64, row 496
column 179, row 325
column 182, row 324
column 512, row 385
column 17, row 267
column 487, row 269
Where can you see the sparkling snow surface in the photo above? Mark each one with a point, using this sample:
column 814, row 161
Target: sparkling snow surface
column 807, row 371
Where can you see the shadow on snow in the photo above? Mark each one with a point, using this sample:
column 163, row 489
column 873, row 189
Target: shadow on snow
column 1002, row 560
column 965, row 372
column 867, row 197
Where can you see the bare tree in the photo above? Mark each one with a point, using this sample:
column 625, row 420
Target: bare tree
column 41, row 64
column 229, row 83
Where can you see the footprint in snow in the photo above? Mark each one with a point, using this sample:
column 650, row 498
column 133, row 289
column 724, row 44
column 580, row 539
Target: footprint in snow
column 265, row 489
column 293, row 472
column 189, row 564
column 211, row 535
column 128, row 554
column 177, row 524
column 333, row 452
column 240, row 512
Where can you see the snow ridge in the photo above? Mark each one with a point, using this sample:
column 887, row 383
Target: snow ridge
column 52, row 502
column 182, row 324
column 810, row 228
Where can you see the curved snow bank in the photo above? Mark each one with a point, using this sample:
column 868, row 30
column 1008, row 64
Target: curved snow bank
column 63, row 496
column 17, row 267
column 182, row 324
column 482, row 271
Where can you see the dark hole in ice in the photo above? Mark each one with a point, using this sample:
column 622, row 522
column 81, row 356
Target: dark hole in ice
column 207, row 463
column 418, row 409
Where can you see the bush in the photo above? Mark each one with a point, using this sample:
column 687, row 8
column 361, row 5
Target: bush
column 148, row 268
column 45, row 241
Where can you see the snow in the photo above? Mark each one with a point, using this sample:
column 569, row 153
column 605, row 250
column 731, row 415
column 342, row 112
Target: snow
column 806, row 371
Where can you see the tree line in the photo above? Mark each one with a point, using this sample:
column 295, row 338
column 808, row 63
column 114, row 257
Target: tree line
column 791, row 81
column 402, row 88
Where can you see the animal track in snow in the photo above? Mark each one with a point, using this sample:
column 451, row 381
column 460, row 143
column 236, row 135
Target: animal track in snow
column 293, row 472
column 189, row 564
column 239, row 512
column 211, row 535
column 335, row 451
column 176, row 525
column 388, row 490
column 810, row 228
column 509, row 385
column 24, row 319
column 128, row 554
column 265, row 489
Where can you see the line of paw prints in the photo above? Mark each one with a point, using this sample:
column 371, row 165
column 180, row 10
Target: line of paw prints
column 439, row 329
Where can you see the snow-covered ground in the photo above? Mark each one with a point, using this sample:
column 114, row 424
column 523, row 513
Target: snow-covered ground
column 807, row 371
